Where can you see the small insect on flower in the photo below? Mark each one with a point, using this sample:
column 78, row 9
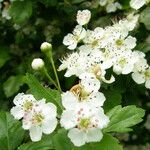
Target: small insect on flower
column 78, row 95
column 84, row 124
column 83, row 17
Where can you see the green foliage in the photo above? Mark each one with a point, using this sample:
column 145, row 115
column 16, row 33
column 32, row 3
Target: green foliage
column 145, row 17
column 20, row 11
column 121, row 119
column 41, row 92
column 61, row 141
column 12, row 85
column 4, row 56
column 11, row 134
column 107, row 143
column 113, row 98
column 44, row 144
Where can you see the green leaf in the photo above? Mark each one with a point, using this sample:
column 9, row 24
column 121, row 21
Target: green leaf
column 113, row 98
column 4, row 56
column 145, row 17
column 107, row 143
column 44, row 144
column 61, row 141
column 41, row 92
column 121, row 119
column 20, row 11
column 12, row 85
column 11, row 134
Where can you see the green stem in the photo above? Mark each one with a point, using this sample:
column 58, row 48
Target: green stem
column 55, row 72
column 50, row 79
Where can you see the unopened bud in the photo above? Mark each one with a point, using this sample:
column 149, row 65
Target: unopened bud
column 46, row 47
column 37, row 64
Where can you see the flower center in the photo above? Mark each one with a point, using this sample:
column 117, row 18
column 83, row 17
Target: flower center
column 37, row 118
column 147, row 74
column 27, row 105
column 84, row 123
column 94, row 43
column 119, row 42
column 122, row 62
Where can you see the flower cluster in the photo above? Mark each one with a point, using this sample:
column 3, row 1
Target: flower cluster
column 37, row 116
column 104, row 48
column 111, row 5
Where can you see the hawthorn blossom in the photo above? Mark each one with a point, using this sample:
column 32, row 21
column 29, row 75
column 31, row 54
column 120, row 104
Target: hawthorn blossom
column 74, row 63
column 125, row 62
column 41, row 120
column 71, row 40
column 79, row 95
column 137, row 4
column 24, row 104
column 84, row 124
column 111, row 6
column 93, row 39
column 83, row 17
column 141, row 72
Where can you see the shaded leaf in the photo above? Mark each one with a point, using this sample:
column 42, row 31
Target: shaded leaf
column 44, row 144
column 41, row 92
column 11, row 134
column 12, row 85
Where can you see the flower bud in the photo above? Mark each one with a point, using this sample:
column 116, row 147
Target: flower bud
column 46, row 47
column 37, row 64
column 83, row 17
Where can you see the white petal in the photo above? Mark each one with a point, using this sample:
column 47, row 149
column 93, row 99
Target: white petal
column 138, row 78
column 18, row 99
column 130, row 42
column 103, row 2
column 68, row 119
column 49, row 126
column 128, row 69
column 17, row 112
column 111, row 8
column 50, row 110
column 69, row 100
column 117, row 69
column 35, row 133
column 77, row 137
column 94, row 135
column 96, row 99
column 136, row 4
column 147, row 84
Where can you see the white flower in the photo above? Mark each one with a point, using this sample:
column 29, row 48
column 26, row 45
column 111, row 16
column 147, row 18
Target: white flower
column 142, row 77
column 78, row 95
column 74, row 63
column 71, row 40
column 103, row 2
column 41, row 120
column 94, row 39
column 83, row 17
column 129, row 23
column 84, row 124
column 137, row 4
column 37, row 64
column 112, row 7
column 24, row 103
column 125, row 62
